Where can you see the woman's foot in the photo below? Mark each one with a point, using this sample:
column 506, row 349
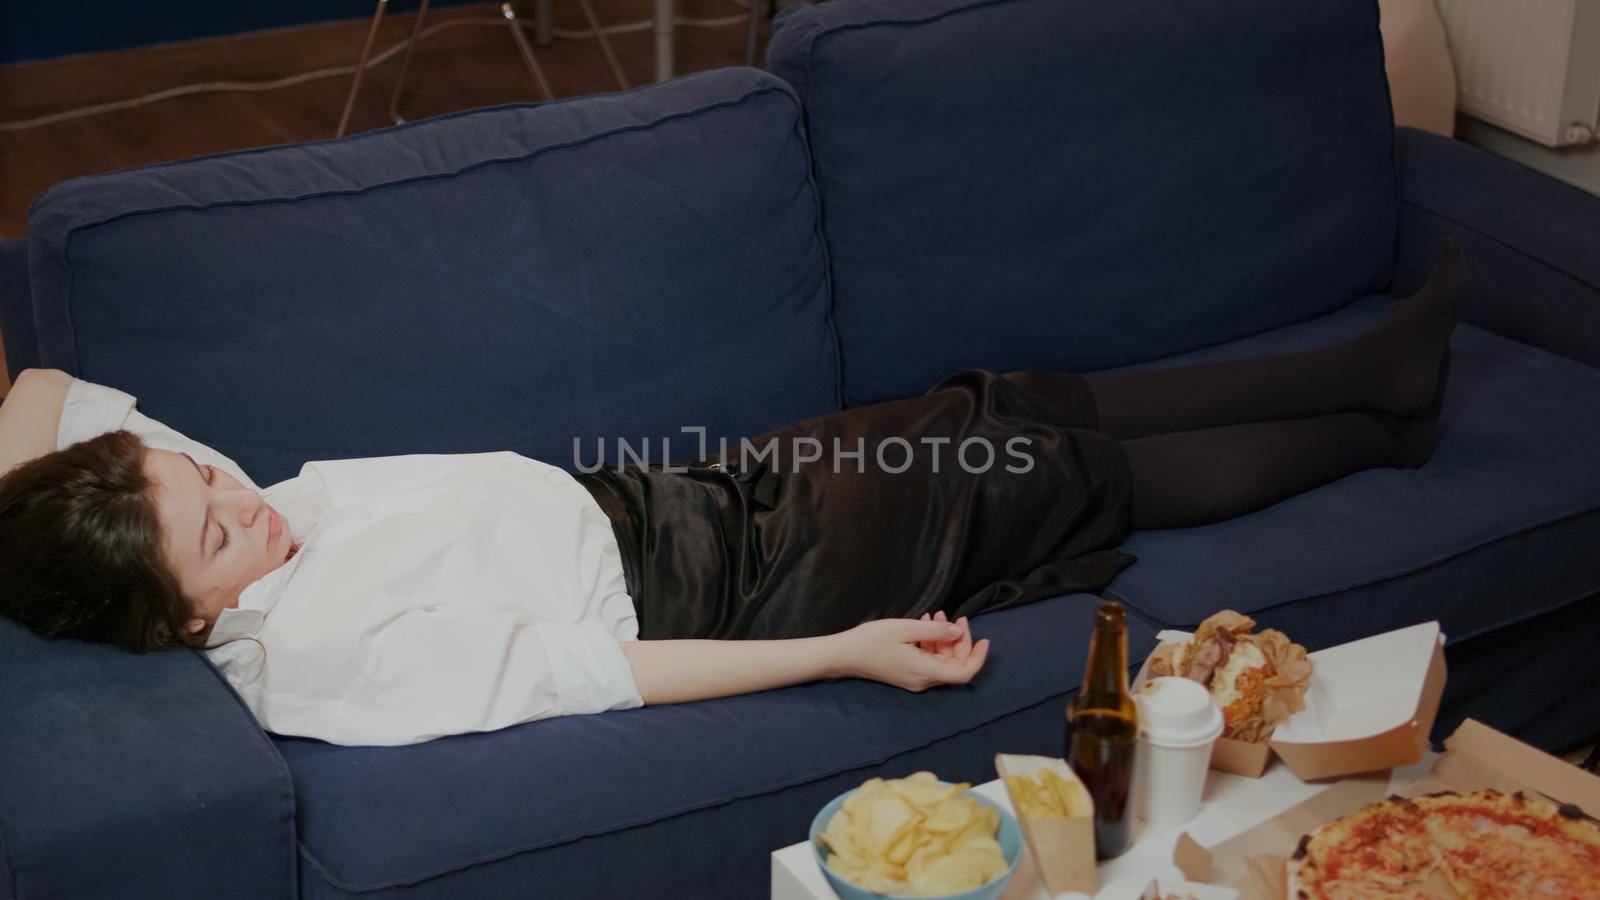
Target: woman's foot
column 1408, row 347
column 1421, row 436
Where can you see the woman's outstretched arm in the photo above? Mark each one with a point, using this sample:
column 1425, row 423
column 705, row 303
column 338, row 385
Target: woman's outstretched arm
column 886, row 650
column 30, row 416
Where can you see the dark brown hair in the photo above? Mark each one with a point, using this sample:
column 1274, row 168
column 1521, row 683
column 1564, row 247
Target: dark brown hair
column 80, row 549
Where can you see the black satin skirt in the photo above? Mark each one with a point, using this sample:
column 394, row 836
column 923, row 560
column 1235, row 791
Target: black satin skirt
column 750, row 546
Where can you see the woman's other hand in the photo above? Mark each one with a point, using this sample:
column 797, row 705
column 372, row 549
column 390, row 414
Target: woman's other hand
column 31, row 416
column 914, row 654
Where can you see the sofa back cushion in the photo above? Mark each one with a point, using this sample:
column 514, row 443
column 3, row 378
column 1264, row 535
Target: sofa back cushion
column 616, row 266
column 1067, row 184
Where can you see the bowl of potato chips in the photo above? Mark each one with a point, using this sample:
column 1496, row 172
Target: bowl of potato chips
column 916, row 836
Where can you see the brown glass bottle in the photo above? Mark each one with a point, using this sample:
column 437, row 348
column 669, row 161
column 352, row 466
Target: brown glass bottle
column 1103, row 731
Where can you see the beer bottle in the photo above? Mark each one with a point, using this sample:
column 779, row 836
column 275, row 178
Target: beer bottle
column 1103, row 731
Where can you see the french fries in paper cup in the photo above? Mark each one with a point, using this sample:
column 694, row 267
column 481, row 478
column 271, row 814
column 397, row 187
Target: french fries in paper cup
column 1057, row 818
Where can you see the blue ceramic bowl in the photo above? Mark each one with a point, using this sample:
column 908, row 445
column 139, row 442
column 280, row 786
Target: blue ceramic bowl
column 1009, row 836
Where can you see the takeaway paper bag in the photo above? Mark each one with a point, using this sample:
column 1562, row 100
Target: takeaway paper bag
column 1062, row 849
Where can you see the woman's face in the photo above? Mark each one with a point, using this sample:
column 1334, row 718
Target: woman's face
column 218, row 535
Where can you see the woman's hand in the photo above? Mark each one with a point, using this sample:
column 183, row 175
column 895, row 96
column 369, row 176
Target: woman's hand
column 914, row 654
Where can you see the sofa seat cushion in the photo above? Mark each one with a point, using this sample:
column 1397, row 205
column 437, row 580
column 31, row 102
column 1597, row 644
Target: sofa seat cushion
column 515, row 278
column 1498, row 527
column 372, row 817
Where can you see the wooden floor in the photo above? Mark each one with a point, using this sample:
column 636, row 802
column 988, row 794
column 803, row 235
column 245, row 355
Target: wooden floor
column 458, row 68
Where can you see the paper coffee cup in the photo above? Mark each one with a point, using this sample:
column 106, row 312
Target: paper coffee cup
column 1178, row 723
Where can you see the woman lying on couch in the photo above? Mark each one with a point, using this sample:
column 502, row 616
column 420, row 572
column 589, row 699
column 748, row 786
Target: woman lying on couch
column 396, row 599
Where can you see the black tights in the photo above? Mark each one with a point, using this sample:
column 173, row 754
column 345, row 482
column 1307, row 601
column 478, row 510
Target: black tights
column 1208, row 442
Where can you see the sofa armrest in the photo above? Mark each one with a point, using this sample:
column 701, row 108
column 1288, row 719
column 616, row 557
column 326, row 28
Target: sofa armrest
column 126, row 775
column 1529, row 242
column 16, row 308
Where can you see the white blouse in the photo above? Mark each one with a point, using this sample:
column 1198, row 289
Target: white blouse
column 431, row 595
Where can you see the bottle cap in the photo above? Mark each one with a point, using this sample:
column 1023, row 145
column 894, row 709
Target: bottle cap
column 1178, row 712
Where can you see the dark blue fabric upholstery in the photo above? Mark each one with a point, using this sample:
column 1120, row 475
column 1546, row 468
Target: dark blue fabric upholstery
column 1499, row 527
column 620, row 266
column 1065, row 184
column 125, row 775
column 1529, row 679
column 16, row 307
column 386, row 816
column 1532, row 244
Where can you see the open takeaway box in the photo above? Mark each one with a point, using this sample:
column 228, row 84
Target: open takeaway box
column 1476, row 757
column 1369, row 705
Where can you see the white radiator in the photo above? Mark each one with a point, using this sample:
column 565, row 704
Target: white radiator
column 1529, row 66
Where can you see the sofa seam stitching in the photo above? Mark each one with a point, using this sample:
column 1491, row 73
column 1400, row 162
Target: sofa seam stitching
column 1481, row 153
column 367, row 136
column 1398, row 574
column 874, row 761
column 72, row 232
column 909, row 21
column 429, row 176
column 870, row 762
column 811, row 41
column 1376, row 33
column 803, row 126
column 832, row 283
column 285, row 777
column 1559, row 270
column 1527, row 616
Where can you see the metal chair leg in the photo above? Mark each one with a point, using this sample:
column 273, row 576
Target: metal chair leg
column 512, row 22
column 527, row 52
column 361, row 68
column 605, row 45
column 753, row 35
column 754, row 32
column 543, row 23
column 405, row 64
column 662, row 26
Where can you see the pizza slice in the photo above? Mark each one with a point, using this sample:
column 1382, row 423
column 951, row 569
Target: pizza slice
column 1493, row 845
column 1382, row 851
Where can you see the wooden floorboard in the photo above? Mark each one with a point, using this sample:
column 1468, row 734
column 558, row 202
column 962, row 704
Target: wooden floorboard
column 459, row 68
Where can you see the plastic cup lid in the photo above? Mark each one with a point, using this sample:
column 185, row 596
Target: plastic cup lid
column 1178, row 712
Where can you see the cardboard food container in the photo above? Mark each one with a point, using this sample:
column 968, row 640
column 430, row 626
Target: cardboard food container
column 1476, row 757
column 1062, row 849
column 1369, row 706
column 1189, row 890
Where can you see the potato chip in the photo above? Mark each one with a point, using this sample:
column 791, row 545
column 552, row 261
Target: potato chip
column 913, row 835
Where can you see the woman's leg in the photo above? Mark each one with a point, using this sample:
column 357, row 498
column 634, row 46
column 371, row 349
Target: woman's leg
column 1188, row 478
column 1392, row 368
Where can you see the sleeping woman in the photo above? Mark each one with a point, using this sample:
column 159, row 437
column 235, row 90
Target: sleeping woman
column 396, row 599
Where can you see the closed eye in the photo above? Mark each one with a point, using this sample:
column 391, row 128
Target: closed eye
column 211, row 478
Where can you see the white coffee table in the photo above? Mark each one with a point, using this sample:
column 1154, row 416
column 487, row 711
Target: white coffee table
column 1232, row 805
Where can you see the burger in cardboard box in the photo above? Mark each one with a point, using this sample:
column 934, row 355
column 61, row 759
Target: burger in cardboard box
column 1363, row 706
column 1257, row 680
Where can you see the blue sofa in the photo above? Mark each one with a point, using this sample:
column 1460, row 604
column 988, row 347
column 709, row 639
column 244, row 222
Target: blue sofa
column 914, row 187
